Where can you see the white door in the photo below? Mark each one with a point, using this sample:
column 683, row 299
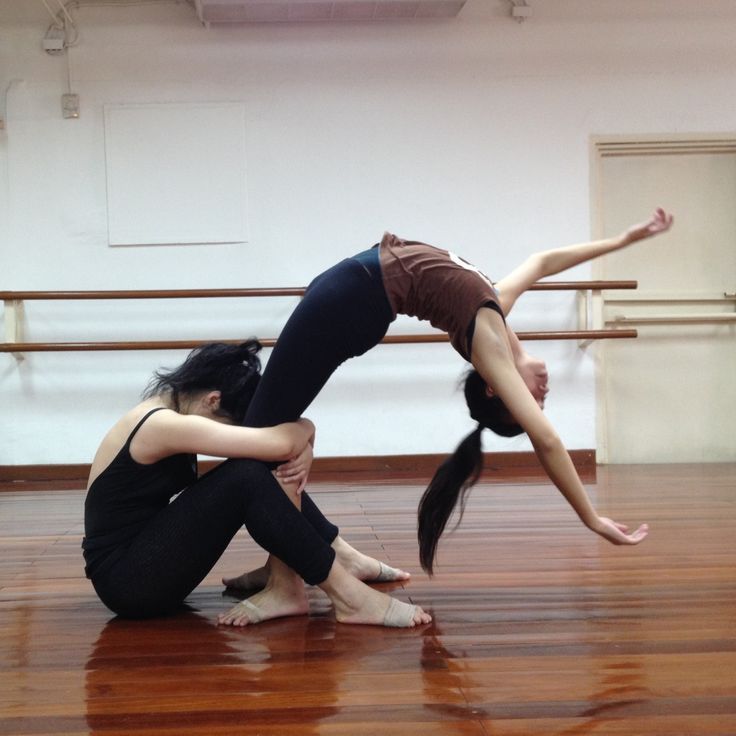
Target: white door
column 669, row 395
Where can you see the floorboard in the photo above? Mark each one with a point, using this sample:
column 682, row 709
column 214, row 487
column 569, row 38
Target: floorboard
column 539, row 627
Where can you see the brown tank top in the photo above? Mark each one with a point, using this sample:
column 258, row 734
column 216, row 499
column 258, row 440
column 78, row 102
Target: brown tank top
column 435, row 285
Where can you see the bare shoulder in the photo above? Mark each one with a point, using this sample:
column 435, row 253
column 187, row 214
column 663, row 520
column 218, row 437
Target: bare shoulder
column 492, row 326
column 118, row 435
column 150, row 442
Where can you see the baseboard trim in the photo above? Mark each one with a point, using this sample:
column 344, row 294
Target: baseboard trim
column 501, row 467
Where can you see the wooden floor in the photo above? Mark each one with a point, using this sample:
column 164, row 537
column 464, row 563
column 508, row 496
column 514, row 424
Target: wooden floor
column 540, row 628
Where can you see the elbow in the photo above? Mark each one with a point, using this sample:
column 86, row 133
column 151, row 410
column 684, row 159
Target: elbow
column 539, row 264
column 288, row 449
column 282, row 445
column 296, row 442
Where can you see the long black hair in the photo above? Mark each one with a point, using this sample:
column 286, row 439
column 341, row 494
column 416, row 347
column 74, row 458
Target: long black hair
column 233, row 370
column 460, row 472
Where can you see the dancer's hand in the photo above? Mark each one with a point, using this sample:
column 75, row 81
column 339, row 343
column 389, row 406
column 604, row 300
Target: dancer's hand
column 297, row 469
column 618, row 533
column 659, row 222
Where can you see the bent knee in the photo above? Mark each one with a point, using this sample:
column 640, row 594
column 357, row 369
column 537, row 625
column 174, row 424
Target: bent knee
column 245, row 469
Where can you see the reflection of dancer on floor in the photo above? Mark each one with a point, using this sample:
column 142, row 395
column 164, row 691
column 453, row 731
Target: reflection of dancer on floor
column 347, row 310
column 145, row 553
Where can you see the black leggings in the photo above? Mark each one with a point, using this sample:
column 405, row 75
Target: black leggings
column 344, row 313
column 182, row 543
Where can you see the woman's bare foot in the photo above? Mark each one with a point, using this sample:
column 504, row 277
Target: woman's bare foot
column 283, row 596
column 253, row 580
column 366, row 568
column 356, row 603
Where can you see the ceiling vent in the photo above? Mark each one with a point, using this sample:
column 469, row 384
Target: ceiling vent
column 299, row 11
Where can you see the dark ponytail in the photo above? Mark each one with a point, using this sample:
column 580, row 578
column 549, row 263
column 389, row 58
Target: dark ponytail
column 460, row 472
column 233, row 370
column 453, row 479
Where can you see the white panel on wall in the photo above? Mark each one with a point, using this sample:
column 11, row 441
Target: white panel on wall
column 175, row 173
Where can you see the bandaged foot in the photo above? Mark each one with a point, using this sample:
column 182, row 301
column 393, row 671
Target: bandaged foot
column 283, row 596
column 366, row 568
column 403, row 615
column 242, row 614
column 387, row 574
column 356, row 603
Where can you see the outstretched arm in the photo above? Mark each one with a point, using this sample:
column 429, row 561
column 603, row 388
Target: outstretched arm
column 549, row 262
column 492, row 358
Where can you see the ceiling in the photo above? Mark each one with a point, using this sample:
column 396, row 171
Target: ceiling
column 32, row 11
column 15, row 12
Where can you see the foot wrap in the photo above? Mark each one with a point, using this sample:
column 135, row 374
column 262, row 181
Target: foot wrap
column 399, row 614
column 386, row 574
column 255, row 615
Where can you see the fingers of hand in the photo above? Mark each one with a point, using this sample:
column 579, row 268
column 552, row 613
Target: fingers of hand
column 641, row 532
column 618, row 533
column 639, row 535
column 300, row 479
column 290, row 471
column 662, row 220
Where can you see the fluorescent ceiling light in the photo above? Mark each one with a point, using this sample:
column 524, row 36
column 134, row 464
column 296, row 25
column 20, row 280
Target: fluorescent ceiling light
column 298, row 11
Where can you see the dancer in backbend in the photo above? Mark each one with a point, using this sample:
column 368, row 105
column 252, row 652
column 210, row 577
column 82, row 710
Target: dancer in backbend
column 347, row 310
column 145, row 553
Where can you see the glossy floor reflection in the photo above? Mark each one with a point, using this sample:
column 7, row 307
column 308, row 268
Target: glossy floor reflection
column 539, row 627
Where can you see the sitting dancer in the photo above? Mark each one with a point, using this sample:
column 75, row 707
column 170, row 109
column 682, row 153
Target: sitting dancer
column 145, row 553
column 347, row 310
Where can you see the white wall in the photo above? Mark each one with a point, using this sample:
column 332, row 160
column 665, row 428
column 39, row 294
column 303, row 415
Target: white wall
column 471, row 134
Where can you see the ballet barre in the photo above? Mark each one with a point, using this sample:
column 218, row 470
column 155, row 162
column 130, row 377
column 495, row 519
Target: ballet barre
column 674, row 319
column 587, row 291
column 684, row 310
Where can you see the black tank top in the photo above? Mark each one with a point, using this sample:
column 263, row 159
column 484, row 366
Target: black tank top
column 125, row 496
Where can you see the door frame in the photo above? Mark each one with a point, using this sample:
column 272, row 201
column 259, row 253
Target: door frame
column 601, row 147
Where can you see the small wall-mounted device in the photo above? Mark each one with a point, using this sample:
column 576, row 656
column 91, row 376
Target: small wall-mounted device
column 520, row 11
column 70, row 105
column 53, row 45
column 54, row 42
